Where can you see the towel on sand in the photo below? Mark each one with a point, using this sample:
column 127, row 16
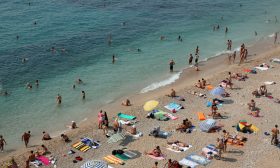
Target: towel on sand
column 188, row 163
column 276, row 60
column 126, row 116
column 198, row 159
column 173, row 106
column 162, row 157
column 177, row 149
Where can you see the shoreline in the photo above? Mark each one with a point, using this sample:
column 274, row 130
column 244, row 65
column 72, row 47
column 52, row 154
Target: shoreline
column 208, row 68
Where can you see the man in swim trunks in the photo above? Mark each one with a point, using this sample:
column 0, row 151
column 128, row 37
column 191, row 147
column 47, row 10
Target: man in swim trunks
column 25, row 137
column 2, row 143
column 190, row 59
column 275, row 133
column 171, row 64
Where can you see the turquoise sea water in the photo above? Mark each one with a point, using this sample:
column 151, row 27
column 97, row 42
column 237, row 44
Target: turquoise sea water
column 82, row 27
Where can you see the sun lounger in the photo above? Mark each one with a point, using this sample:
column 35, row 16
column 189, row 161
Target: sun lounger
column 181, row 149
column 157, row 158
column 126, row 116
column 201, row 116
column 198, row 159
column 113, row 159
column 173, row 106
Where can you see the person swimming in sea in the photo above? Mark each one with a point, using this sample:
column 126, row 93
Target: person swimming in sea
column 190, row 59
column 37, row 83
column 171, row 64
column 83, row 95
column 113, row 59
column 180, row 38
column 58, row 99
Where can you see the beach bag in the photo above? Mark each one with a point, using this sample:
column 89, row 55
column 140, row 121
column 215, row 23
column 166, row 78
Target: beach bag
column 114, row 152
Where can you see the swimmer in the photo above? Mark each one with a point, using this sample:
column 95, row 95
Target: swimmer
column 83, row 95
column 79, row 81
column 74, row 86
column 58, row 99
column 35, row 23
column 256, row 33
column 113, row 59
column 171, row 64
column 24, row 60
column 226, row 31
column 162, row 38
column 28, row 86
column 17, row 37
column 37, row 83
column 179, row 38
column 197, row 50
column 138, row 50
column 190, row 59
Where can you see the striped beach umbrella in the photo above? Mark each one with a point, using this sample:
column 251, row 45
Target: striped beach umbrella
column 206, row 125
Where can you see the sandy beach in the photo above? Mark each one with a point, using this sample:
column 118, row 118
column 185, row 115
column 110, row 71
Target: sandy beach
column 257, row 151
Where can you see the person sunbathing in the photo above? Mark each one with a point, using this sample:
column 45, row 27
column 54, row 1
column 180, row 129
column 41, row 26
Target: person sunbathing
column 65, row 138
column 252, row 105
column 184, row 126
column 199, row 84
column 203, row 81
column 155, row 152
column 172, row 93
column 126, row 102
column 43, row 150
column 214, row 112
column 239, row 76
column 133, row 130
column 262, row 90
column 178, row 143
column 228, row 83
column 255, row 113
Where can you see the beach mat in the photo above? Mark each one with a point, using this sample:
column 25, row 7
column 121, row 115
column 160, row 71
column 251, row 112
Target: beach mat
column 189, row 163
column 113, row 159
column 181, row 149
column 126, row 116
column 173, row 106
column 171, row 116
column 201, row 116
column 81, row 146
column 116, row 137
column 198, row 159
column 156, row 158
column 44, row 160
column 130, row 154
column 122, row 157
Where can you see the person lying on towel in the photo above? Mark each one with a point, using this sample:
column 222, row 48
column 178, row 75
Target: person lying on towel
column 155, row 152
column 178, row 143
column 184, row 126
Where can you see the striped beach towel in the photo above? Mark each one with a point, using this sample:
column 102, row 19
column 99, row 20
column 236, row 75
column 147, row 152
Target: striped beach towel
column 113, row 159
column 116, row 137
column 81, row 146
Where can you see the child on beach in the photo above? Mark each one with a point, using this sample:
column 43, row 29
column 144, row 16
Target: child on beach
column 2, row 143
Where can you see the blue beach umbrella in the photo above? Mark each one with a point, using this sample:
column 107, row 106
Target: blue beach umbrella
column 218, row 91
column 206, row 125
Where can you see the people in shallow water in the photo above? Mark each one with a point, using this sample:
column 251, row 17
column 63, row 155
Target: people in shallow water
column 113, row 58
column 79, row 81
column 171, row 65
column 37, row 83
column 126, row 102
column 83, row 95
column 58, row 99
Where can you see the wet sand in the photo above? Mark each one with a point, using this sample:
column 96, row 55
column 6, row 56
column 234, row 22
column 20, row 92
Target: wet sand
column 257, row 151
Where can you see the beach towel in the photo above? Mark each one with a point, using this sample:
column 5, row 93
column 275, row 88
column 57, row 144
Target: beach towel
column 254, row 128
column 188, row 163
column 157, row 158
column 262, row 68
column 126, row 116
column 209, row 87
column 198, row 159
column 44, row 160
column 275, row 60
column 181, row 149
column 81, row 146
column 113, row 159
column 130, row 154
column 160, row 115
column 173, row 106
column 90, row 142
column 210, row 148
column 137, row 135
column 95, row 164
column 122, row 157
column 171, row 116
column 201, row 116
column 116, row 137
column 36, row 163
column 269, row 82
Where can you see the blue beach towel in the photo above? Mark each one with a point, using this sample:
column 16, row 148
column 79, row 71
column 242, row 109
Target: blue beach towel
column 126, row 116
column 173, row 106
column 198, row 159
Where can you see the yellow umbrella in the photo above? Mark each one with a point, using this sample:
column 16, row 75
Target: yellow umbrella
column 150, row 105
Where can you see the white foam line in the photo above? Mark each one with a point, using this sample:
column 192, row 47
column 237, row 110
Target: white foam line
column 165, row 82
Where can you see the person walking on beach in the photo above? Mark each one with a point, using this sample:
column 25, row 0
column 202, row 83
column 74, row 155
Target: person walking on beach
column 58, row 99
column 245, row 54
column 275, row 37
column 105, row 124
column 228, row 43
column 233, row 56
column 2, row 143
column 190, row 59
column 275, row 132
column 171, row 64
column 25, row 137
column 83, row 95
column 100, row 119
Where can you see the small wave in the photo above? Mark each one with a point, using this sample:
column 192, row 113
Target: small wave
column 165, row 82
column 271, row 35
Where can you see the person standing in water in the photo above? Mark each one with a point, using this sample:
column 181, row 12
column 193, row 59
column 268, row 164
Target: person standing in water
column 180, row 38
column 83, row 95
column 197, row 50
column 190, row 59
column 196, row 58
column 233, row 56
column 171, row 64
column 2, row 143
column 58, row 99
column 25, row 137
column 256, row 33
column 226, row 31
column 113, row 59
column 37, row 83
column 275, row 37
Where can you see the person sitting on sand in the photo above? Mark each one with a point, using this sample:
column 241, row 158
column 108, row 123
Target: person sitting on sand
column 126, row 102
column 214, row 112
column 239, row 76
column 116, row 125
column 155, row 152
column 228, row 83
column 43, row 150
column 256, row 93
column 73, row 125
column 252, row 105
column 32, row 156
column 65, row 138
column 262, row 90
column 203, row 81
column 133, row 130
column 255, row 113
column 199, row 84
column 172, row 94
column 178, row 143
column 46, row 136
column 184, row 126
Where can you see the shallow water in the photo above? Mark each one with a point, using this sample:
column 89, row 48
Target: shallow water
column 82, row 27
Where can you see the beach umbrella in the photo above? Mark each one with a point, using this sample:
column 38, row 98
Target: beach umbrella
column 95, row 164
column 206, row 125
column 150, row 105
column 218, row 91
